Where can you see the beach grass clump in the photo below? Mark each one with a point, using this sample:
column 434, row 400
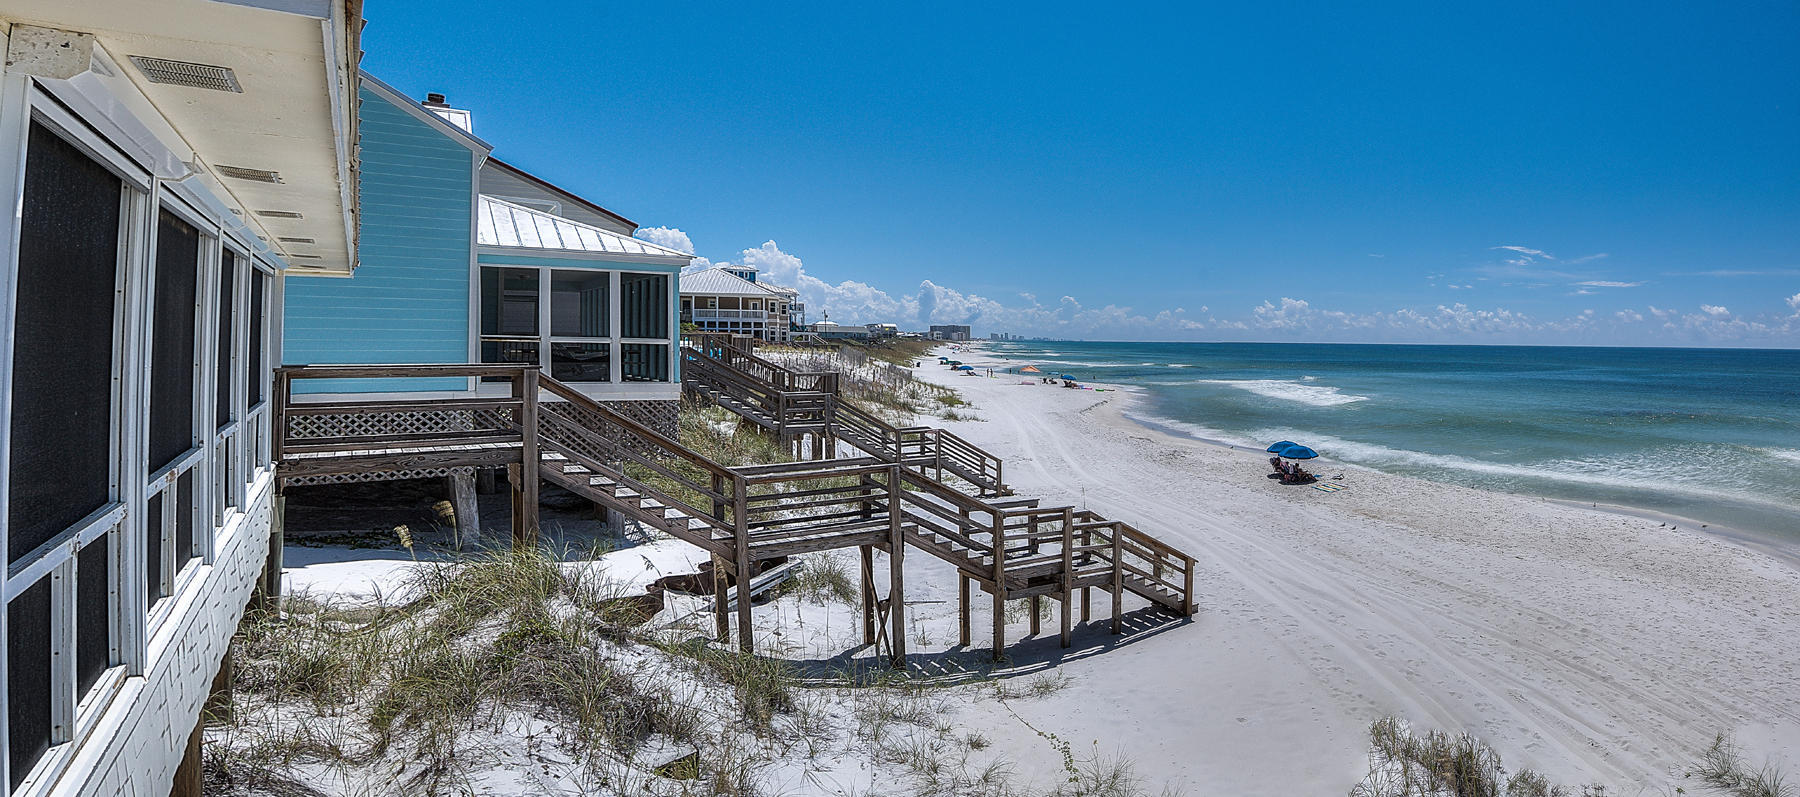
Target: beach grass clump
column 1722, row 768
column 825, row 579
column 1440, row 764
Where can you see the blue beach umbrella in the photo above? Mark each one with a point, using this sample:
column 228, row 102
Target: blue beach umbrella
column 1298, row 452
column 965, row 368
column 1277, row 448
column 1065, row 376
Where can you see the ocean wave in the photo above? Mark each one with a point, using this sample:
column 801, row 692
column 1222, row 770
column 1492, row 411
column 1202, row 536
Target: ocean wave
column 1784, row 453
column 1301, row 392
column 1181, row 365
column 1193, row 430
column 1660, row 472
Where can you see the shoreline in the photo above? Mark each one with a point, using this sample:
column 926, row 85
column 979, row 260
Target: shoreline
column 1591, row 644
column 1768, row 543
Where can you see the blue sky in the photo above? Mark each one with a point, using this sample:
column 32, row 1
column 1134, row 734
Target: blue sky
column 1611, row 174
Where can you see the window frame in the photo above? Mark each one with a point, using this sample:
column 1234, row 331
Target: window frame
column 615, row 340
column 73, row 715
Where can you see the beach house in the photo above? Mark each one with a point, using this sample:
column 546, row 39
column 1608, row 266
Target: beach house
column 165, row 161
column 729, row 299
column 466, row 259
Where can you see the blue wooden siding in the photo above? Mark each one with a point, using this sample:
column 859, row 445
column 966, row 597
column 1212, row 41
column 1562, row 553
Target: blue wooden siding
column 408, row 301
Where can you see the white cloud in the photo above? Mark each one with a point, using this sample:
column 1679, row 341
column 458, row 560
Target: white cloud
column 1288, row 318
column 1525, row 250
column 1589, row 258
column 667, row 236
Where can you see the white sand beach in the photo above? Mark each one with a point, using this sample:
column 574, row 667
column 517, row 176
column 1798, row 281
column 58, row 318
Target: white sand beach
column 1591, row 646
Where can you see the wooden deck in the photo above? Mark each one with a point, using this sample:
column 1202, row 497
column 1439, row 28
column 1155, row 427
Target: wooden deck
column 545, row 430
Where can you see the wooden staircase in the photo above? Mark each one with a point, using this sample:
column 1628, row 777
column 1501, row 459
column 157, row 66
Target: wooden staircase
column 790, row 404
column 1011, row 548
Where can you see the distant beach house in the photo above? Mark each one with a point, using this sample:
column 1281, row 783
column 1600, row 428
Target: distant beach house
column 469, row 259
column 729, row 299
column 165, row 161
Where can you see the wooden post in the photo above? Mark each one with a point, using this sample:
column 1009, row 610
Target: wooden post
column 740, row 514
column 530, row 461
column 514, row 477
column 277, row 542
column 999, row 540
column 468, row 512
column 1087, row 541
column 962, row 605
column 868, row 595
column 721, row 603
column 485, row 481
column 1037, row 607
column 1118, row 582
column 190, row 780
column 896, row 570
column 1068, row 575
column 1187, row 591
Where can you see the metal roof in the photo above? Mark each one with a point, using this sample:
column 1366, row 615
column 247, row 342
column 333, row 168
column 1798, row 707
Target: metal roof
column 719, row 282
column 502, row 223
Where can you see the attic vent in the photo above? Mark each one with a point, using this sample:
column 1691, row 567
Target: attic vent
column 280, row 214
column 182, row 73
column 307, row 257
column 241, row 173
column 286, row 240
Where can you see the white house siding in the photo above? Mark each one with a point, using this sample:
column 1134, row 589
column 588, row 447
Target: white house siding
column 136, row 750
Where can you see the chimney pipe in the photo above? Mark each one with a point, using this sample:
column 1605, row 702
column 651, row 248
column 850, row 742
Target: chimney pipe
column 434, row 98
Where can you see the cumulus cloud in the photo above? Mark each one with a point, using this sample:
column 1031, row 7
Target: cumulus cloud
column 1794, row 302
column 667, row 236
column 1714, row 310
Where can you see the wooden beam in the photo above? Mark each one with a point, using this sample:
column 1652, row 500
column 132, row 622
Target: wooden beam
column 1068, row 575
column 468, row 510
column 528, row 455
column 740, row 492
column 962, row 605
column 999, row 541
column 868, row 594
column 721, row 604
column 896, row 569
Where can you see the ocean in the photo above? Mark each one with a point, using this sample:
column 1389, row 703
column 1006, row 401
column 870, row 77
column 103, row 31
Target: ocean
column 1707, row 434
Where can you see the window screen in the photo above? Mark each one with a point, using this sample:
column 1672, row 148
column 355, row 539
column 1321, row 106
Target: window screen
column 257, row 281
column 153, row 545
column 28, row 678
column 93, row 614
column 172, row 341
column 644, row 362
column 578, row 304
column 222, row 369
column 62, row 404
column 184, row 519
column 644, row 305
column 509, row 301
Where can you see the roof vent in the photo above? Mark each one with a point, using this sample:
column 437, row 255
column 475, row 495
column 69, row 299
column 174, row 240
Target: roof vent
column 256, row 175
column 286, row 240
column 280, row 214
column 308, row 257
column 182, row 73
column 434, row 98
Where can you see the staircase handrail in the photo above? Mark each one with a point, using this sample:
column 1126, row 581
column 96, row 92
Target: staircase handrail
column 643, row 432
